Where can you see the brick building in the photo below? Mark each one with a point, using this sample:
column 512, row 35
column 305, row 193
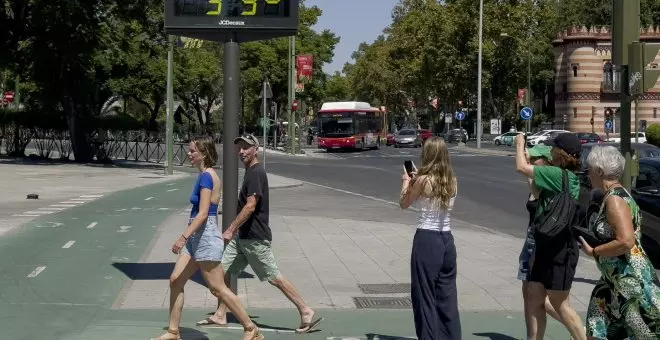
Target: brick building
column 586, row 83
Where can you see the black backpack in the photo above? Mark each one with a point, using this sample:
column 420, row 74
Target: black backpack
column 560, row 213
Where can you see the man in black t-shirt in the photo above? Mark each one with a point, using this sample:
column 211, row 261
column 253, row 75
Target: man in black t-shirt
column 249, row 238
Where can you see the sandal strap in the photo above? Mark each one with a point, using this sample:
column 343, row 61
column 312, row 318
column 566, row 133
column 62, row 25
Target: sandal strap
column 173, row 331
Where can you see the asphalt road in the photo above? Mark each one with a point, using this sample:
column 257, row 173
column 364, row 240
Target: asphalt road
column 490, row 193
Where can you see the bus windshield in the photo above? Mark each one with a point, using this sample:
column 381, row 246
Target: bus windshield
column 336, row 124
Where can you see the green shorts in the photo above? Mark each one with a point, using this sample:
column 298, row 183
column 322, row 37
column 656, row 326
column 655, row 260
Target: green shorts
column 257, row 253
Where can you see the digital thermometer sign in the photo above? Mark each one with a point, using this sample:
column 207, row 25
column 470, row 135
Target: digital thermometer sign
column 245, row 20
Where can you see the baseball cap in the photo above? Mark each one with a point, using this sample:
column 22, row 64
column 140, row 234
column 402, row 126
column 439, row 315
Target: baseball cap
column 541, row 151
column 568, row 142
column 250, row 139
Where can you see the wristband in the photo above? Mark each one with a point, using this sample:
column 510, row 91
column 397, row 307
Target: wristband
column 184, row 237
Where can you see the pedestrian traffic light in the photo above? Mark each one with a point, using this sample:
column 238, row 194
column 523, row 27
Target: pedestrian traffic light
column 641, row 77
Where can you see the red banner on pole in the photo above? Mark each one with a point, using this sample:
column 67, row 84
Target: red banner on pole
column 305, row 67
column 521, row 95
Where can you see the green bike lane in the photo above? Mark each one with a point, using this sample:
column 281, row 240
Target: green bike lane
column 62, row 274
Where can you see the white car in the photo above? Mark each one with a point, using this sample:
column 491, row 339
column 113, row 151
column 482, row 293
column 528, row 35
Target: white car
column 506, row 138
column 641, row 138
column 542, row 136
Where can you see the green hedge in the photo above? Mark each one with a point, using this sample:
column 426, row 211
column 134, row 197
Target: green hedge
column 38, row 119
column 653, row 134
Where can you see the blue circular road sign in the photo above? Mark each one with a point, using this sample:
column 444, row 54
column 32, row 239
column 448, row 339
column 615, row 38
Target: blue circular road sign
column 608, row 124
column 460, row 115
column 526, row 113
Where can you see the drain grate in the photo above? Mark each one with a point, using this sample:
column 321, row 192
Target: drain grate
column 382, row 302
column 384, row 288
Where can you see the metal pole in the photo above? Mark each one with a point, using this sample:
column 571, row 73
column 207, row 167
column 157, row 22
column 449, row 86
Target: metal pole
column 528, row 93
column 265, row 121
column 292, row 94
column 636, row 122
column 169, row 124
column 625, row 30
column 481, row 38
column 276, row 127
column 231, row 105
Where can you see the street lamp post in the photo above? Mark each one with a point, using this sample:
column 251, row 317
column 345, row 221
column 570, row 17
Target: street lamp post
column 479, row 71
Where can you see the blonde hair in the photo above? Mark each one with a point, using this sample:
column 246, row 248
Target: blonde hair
column 206, row 146
column 440, row 183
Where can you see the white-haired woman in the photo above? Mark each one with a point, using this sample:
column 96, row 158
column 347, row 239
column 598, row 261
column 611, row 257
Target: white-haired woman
column 625, row 303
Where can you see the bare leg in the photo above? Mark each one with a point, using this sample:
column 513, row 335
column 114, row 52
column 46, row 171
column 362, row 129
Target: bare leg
column 220, row 316
column 290, row 291
column 560, row 301
column 551, row 310
column 214, row 276
column 184, row 268
column 535, row 304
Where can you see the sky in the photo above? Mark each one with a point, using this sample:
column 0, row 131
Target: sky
column 355, row 21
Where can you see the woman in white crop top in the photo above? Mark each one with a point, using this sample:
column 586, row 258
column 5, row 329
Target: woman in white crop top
column 433, row 258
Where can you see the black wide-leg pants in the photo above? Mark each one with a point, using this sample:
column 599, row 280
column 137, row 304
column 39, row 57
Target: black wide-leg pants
column 433, row 284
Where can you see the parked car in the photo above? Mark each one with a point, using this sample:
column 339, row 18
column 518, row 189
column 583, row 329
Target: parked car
column 640, row 136
column 408, row 137
column 588, row 137
column 506, row 138
column 645, row 191
column 426, row 134
column 457, row 135
column 542, row 136
column 390, row 138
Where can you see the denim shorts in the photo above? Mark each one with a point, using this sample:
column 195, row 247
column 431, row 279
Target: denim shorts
column 526, row 255
column 206, row 243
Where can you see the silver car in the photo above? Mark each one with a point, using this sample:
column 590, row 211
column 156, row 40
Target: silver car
column 408, row 137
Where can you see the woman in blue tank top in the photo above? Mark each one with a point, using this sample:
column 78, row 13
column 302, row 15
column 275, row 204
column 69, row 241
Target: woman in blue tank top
column 200, row 246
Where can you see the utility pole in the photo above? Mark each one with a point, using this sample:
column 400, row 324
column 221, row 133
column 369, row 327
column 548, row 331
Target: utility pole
column 266, row 95
column 292, row 94
column 169, row 123
column 625, row 31
column 528, row 93
column 481, row 38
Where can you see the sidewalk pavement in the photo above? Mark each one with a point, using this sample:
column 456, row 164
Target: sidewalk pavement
column 63, row 185
column 503, row 151
column 347, row 253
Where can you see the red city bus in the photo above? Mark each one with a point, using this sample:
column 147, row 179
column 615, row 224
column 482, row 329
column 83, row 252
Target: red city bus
column 350, row 125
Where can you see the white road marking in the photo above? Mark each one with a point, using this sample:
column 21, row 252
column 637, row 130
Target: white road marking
column 124, row 229
column 50, row 225
column 25, row 215
column 68, row 244
column 90, row 196
column 123, row 209
column 38, row 212
column 52, row 208
column 92, row 225
column 148, row 198
column 63, row 205
column 72, row 202
column 136, row 208
column 170, row 190
column 36, row 271
column 163, row 208
column 169, row 184
column 84, row 199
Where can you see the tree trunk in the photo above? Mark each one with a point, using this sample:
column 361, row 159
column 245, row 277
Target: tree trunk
column 80, row 144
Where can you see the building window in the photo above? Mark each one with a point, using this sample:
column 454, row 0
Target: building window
column 575, row 112
column 608, row 76
column 575, row 68
column 655, row 112
column 564, row 87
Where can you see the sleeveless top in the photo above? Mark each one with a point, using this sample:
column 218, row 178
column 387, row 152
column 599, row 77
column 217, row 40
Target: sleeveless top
column 431, row 218
column 204, row 180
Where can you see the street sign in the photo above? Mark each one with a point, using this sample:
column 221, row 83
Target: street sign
column 460, row 115
column 269, row 91
column 526, row 113
column 608, row 125
column 219, row 20
column 9, row 96
column 294, row 106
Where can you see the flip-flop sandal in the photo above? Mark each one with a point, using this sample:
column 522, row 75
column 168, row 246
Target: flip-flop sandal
column 208, row 322
column 308, row 326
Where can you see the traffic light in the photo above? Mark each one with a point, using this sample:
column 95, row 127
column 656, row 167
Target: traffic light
column 641, row 77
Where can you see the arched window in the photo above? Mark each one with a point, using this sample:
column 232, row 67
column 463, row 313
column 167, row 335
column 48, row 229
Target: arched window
column 608, row 76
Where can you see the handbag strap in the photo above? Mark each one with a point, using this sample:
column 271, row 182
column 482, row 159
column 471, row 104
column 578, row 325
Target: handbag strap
column 564, row 181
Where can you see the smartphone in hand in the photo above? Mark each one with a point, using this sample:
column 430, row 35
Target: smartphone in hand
column 409, row 167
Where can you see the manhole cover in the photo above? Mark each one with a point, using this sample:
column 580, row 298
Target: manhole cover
column 384, row 288
column 382, row 302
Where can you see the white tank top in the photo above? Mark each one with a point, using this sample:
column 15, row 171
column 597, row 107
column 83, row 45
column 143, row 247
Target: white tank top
column 430, row 218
